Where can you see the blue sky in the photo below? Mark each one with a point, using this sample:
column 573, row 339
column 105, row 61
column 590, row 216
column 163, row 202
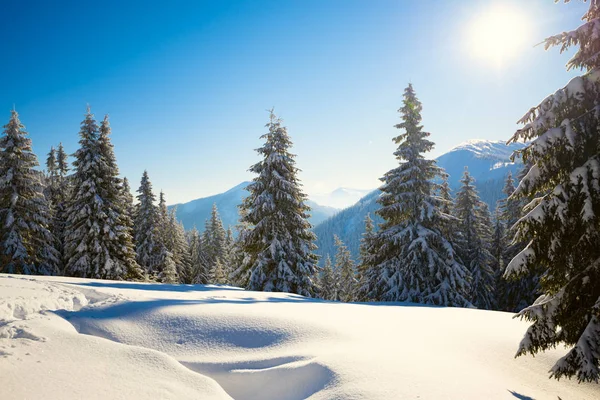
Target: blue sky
column 187, row 83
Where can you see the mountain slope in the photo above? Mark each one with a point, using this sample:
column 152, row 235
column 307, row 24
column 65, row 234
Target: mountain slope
column 195, row 212
column 488, row 161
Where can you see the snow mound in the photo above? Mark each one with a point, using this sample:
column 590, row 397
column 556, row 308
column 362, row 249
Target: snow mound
column 218, row 342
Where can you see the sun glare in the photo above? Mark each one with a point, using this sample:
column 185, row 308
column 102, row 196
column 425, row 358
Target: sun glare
column 498, row 35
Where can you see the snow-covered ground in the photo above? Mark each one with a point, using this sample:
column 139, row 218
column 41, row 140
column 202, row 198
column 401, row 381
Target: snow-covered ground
column 64, row 338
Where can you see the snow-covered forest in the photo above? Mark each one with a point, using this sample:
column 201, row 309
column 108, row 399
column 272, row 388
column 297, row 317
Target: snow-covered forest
column 536, row 254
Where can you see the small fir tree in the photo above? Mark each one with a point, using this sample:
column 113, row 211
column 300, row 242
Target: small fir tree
column 346, row 270
column 327, row 282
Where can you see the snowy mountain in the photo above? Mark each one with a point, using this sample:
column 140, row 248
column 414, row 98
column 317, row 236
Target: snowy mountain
column 68, row 338
column 195, row 212
column 340, row 197
column 488, row 162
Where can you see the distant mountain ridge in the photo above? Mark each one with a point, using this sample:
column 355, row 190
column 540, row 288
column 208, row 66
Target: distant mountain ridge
column 488, row 162
column 194, row 213
column 341, row 197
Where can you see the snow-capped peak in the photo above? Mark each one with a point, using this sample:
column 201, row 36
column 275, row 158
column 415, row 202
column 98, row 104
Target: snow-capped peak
column 497, row 149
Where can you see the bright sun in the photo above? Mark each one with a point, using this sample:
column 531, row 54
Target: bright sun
column 498, row 34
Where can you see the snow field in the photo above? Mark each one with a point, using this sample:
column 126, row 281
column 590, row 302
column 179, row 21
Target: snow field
column 184, row 341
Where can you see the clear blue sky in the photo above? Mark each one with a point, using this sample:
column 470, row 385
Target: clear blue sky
column 187, row 83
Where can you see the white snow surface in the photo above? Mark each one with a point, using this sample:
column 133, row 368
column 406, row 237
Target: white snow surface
column 67, row 338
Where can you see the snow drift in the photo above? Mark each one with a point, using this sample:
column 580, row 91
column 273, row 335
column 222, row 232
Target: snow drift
column 65, row 338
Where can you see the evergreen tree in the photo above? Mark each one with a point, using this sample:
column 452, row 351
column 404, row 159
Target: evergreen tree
column 562, row 224
column 62, row 163
column 346, row 270
column 327, row 283
column 26, row 243
column 51, row 183
column 278, row 246
column 473, row 242
column 218, row 273
column 239, row 272
column 59, row 198
column 446, row 195
column 498, row 247
column 128, row 198
column 514, row 293
column 413, row 260
column 367, row 274
column 98, row 241
column 199, row 266
column 215, row 242
column 177, row 244
column 152, row 253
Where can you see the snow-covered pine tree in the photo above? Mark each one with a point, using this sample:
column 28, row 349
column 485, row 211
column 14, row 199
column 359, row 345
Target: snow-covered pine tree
column 214, row 238
column 327, row 282
column 62, row 163
column 51, row 181
column 346, row 270
column 366, row 273
column 239, row 260
column 473, row 242
column 562, row 224
column 497, row 249
column 447, row 209
column 413, row 259
column 199, row 265
column 178, row 245
column 514, row 293
column 128, row 198
column 218, row 273
column 26, row 243
column 152, row 253
column 118, row 228
column 59, row 203
column 278, row 246
column 446, row 195
column 229, row 257
column 98, row 242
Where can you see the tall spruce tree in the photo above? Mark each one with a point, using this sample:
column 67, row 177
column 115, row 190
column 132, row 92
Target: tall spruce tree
column 26, row 243
column 278, row 246
column 98, row 241
column 514, row 293
column 346, row 271
column 413, row 259
column 152, row 253
column 61, row 195
column 562, row 224
column 473, row 242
